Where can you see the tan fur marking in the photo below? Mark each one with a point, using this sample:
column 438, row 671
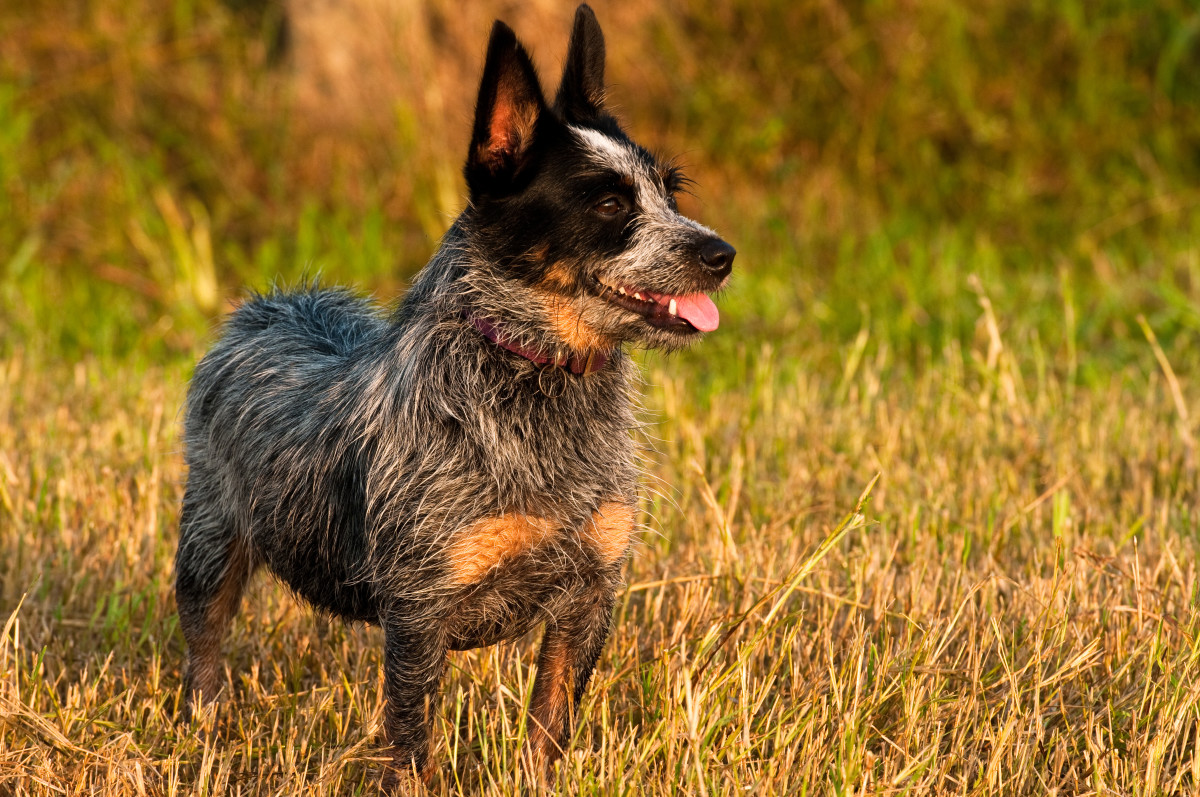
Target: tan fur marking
column 557, row 276
column 568, row 324
column 549, row 711
column 611, row 530
column 489, row 542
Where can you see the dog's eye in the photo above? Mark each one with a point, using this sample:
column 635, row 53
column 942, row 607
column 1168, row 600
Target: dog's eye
column 609, row 206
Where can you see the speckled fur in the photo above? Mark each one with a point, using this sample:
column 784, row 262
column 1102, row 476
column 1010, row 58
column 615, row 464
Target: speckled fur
column 354, row 455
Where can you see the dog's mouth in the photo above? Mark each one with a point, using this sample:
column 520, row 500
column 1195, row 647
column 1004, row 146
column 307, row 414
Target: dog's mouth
column 685, row 313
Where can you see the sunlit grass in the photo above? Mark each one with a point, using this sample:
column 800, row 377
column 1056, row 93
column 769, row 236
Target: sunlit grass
column 1010, row 610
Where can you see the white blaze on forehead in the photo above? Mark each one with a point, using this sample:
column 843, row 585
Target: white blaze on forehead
column 607, row 151
column 662, row 220
column 623, row 159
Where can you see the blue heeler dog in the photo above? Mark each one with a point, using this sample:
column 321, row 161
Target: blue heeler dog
column 462, row 470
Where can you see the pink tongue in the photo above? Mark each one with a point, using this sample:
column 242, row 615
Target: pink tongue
column 698, row 310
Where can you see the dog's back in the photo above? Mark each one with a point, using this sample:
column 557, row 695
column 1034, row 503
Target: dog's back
column 310, row 321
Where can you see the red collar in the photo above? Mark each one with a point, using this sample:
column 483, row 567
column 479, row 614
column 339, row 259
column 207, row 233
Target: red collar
column 576, row 363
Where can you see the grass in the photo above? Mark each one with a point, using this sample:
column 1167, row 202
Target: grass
column 1011, row 609
column 923, row 515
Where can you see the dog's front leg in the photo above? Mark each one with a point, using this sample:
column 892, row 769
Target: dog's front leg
column 414, row 658
column 570, row 648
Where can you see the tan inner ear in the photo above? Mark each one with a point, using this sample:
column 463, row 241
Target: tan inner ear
column 510, row 130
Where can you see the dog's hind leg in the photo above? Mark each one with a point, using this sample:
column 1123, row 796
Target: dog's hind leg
column 212, row 567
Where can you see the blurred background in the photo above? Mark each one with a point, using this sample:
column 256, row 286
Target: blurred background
column 866, row 157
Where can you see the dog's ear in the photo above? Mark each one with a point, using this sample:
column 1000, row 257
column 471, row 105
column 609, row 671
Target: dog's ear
column 507, row 111
column 581, row 94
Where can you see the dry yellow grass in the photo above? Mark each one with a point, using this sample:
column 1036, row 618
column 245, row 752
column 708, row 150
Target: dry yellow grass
column 1011, row 611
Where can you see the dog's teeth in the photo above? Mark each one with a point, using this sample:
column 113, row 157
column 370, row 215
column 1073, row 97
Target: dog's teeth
column 671, row 308
column 638, row 296
column 621, row 291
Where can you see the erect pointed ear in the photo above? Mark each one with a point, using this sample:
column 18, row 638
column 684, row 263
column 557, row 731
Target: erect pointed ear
column 507, row 111
column 581, row 95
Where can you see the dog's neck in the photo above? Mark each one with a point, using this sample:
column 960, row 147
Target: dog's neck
column 579, row 364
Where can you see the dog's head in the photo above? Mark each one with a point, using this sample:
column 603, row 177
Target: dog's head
column 566, row 205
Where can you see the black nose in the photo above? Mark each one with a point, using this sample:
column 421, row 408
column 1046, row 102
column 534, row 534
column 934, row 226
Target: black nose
column 717, row 257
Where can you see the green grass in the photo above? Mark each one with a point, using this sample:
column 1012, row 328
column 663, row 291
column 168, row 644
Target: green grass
column 922, row 516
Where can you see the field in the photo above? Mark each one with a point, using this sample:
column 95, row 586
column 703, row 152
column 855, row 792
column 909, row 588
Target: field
column 922, row 516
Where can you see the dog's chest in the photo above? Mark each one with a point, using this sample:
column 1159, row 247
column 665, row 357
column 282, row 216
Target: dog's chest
column 512, row 571
column 537, row 457
column 559, row 484
column 561, row 445
column 541, row 545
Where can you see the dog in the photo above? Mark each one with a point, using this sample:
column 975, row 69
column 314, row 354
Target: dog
column 463, row 470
